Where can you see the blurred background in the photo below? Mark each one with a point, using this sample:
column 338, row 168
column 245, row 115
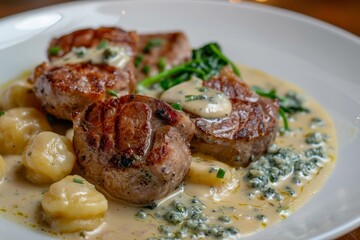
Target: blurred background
column 342, row 13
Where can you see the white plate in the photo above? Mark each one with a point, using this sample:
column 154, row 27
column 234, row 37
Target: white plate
column 320, row 58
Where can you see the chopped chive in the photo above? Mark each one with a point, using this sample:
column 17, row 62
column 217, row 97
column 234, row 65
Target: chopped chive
column 220, row 173
column 202, row 89
column 54, row 50
column 79, row 52
column 102, row 44
column 145, row 70
column 77, row 180
column 109, row 53
column 189, row 98
column 176, row 106
column 82, row 234
column 162, row 64
column 2, row 113
column 156, row 42
column 112, row 93
column 138, row 59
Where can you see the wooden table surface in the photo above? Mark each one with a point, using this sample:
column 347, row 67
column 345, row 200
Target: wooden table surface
column 342, row 13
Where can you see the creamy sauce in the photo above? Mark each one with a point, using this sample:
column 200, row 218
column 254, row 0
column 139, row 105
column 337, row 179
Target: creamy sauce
column 116, row 56
column 202, row 101
column 242, row 206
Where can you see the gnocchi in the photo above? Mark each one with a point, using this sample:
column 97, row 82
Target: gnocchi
column 206, row 170
column 19, row 94
column 73, row 204
column 48, row 157
column 18, row 126
column 2, row 168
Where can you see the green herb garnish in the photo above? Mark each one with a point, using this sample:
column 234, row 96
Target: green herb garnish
column 112, row 93
column 156, row 42
column 206, row 62
column 102, row 44
column 189, row 98
column 138, row 59
column 162, row 64
column 77, row 180
column 145, row 69
column 2, row 113
column 176, row 106
column 109, row 53
column 220, row 173
column 79, row 52
column 202, row 89
column 54, row 50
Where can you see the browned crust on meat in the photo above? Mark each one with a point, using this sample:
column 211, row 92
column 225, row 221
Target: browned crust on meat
column 71, row 87
column 92, row 37
column 175, row 49
column 243, row 135
column 130, row 150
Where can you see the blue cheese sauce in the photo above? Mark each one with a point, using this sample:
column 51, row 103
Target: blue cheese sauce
column 197, row 99
column 117, row 56
column 210, row 205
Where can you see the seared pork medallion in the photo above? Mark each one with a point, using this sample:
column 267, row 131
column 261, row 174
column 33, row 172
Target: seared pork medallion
column 89, row 38
column 243, row 135
column 158, row 52
column 71, row 87
column 85, row 66
column 134, row 147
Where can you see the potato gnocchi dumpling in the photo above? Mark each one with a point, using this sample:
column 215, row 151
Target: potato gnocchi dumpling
column 48, row 157
column 2, row 168
column 66, row 225
column 19, row 94
column 18, row 126
column 73, row 204
column 206, row 170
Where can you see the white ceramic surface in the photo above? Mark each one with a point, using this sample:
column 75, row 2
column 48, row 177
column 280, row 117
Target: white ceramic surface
column 322, row 59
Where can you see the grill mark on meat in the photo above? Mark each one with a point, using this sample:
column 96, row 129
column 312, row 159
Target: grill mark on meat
column 103, row 140
column 164, row 114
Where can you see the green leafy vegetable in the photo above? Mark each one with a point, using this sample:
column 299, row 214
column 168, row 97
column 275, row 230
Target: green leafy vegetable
column 290, row 103
column 54, row 50
column 284, row 118
column 205, row 63
column 2, row 113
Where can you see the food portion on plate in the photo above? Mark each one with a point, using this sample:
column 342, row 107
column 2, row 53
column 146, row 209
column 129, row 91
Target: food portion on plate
column 140, row 136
